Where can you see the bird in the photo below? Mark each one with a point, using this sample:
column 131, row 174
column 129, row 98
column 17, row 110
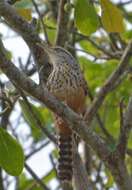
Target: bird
column 67, row 83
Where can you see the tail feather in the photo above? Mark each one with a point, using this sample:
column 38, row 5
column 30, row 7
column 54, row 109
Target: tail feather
column 65, row 161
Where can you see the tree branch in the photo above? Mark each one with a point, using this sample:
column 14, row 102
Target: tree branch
column 81, row 180
column 109, row 53
column 41, row 20
column 66, row 186
column 28, row 32
column 62, row 20
column 1, row 180
column 35, row 150
column 99, row 120
column 36, row 119
column 125, row 130
column 97, row 102
column 18, row 23
column 129, row 152
column 38, row 180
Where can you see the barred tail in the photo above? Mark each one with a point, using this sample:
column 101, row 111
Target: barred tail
column 65, row 162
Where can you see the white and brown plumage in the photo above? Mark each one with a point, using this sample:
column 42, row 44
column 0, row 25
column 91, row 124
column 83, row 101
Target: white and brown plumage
column 66, row 83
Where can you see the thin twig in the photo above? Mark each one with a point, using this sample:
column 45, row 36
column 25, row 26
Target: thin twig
column 129, row 152
column 81, row 180
column 37, row 120
column 125, row 130
column 97, row 102
column 28, row 33
column 34, row 175
column 110, row 54
column 99, row 120
column 41, row 19
column 87, row 52
column 66, row 186
column 124, row 3
column 4, row 111
column 62, row 19
column 98, row 178
column 1, row 180
column 36, row 150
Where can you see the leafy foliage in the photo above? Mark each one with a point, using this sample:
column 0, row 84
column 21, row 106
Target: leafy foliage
column 11, row 154
column 112, row 18
column 38, row 115
column 85, row 17
column 24, row 9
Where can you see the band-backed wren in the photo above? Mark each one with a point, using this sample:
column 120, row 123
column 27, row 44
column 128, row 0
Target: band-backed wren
column 66, row 82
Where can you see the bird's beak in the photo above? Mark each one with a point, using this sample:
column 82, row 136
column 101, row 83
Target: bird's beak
column 46, row 48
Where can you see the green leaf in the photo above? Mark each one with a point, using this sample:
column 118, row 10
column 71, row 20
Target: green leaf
column 25, row 183
column 110, row 179
column 8, row 54
column 91, row 70
column 51, row 28
column 55, row 153
column 129, row 163
column 41, row 113
column 129, row 16
column 96, row 73
column 25, row 13
column 110, row 115
column 130, row 140
column 112, row 147
column 127, row 35
column 90, row 48
column 24, row 9
column 112, row 18
column 11, row 154
column 24, row 4
column 51, row 175
column 86, row 18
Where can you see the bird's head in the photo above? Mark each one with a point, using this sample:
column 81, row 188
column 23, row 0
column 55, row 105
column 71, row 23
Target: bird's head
column 58, row 56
